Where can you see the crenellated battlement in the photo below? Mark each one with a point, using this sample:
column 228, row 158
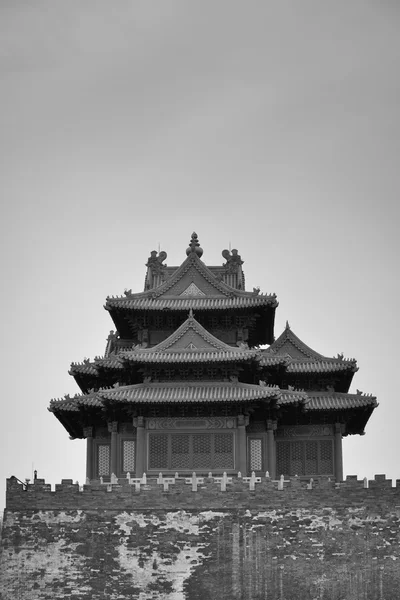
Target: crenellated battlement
column 186, row 537
column 180, row 492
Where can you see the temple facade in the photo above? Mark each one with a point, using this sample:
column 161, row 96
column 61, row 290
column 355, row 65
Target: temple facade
column 192, row 379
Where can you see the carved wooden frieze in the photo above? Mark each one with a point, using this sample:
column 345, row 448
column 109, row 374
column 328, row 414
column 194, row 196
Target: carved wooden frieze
column 126, row 428
column 188, row 423
column 102, row 433
column 305, row 431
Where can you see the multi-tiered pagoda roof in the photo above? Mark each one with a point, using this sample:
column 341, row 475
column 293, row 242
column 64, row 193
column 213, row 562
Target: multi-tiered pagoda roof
column 195, row 338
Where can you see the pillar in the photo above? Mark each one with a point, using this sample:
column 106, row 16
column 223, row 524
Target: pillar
column 113, row 429
column 338, row 452
column 271, row 448
column 242, row 445
column 138, row 422
column 88, row 434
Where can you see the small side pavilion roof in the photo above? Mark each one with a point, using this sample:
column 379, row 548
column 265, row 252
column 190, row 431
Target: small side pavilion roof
column 303, row 359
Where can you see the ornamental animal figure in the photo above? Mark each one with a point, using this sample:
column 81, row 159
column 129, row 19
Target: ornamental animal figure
column 155, row 262
column 233, row 261
column 155, row 266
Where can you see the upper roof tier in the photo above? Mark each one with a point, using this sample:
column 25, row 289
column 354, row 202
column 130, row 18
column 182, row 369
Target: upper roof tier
column 210, row 287
column 195, row 286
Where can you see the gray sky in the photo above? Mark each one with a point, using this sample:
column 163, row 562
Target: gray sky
column 271, row 125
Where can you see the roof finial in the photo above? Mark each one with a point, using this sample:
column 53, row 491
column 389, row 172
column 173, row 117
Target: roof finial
column 194, row 245
column 287, row 325
column 191, row 313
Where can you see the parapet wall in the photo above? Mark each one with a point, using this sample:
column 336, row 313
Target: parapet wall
column 202, row 538
column 196, row 492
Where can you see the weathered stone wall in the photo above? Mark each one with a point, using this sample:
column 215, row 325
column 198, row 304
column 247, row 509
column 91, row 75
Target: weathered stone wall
column 331, row 542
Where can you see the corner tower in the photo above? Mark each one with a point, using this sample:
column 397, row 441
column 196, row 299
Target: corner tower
column 183, row 385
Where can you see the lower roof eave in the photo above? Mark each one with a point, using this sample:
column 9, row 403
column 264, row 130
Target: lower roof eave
column 74, row 429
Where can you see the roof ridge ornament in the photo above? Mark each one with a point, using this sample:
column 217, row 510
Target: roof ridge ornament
column 155, row 268
column 287, row 325
column 233, row 266
column 194, row 246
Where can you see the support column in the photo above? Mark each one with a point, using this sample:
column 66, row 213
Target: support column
column 88, row 434
column 338, row 452
column 113, row 429
column 138, row 422
column 242, row 445
column 271, row 448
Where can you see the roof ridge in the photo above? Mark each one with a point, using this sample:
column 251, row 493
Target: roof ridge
column 325, row 359
column 192, row 260
column 340, row 394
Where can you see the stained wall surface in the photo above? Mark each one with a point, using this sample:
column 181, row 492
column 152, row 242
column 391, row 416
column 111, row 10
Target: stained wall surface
column 331, row 542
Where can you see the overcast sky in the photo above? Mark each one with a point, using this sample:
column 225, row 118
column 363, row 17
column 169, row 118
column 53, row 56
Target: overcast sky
column 273, row 126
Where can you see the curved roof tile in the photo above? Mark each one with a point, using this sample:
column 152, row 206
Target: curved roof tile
column 187, row 302
column 170, row 392
column 338, row 401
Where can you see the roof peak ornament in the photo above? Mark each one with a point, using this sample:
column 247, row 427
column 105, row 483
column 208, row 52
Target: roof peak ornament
column 155, row 268
column 233, row 267
column 194, row 246
column 287, row 325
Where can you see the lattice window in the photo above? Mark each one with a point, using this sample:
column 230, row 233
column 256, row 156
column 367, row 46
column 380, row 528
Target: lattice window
column 225, row 373
column 201, row 451
column 103, row 460
column 213, row 322
column 283, row 458
column 311, row 466
column 128, row 456
column 241, row 321
column 168, row 373
column 197, row 372
column 199, row 410
column 223, row 451
column 255, row 455
column 326, row 457
column 212, row 372
column 180, row 458
column 143, row 321
column 226, row 321
column 158, row 321
column 191, row 451
column 171, row 321
column 297, row 458
column 308, row 457
column 158, row 451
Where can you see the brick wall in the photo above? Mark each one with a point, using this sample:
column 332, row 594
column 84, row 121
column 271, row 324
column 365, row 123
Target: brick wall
column 157, row 540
